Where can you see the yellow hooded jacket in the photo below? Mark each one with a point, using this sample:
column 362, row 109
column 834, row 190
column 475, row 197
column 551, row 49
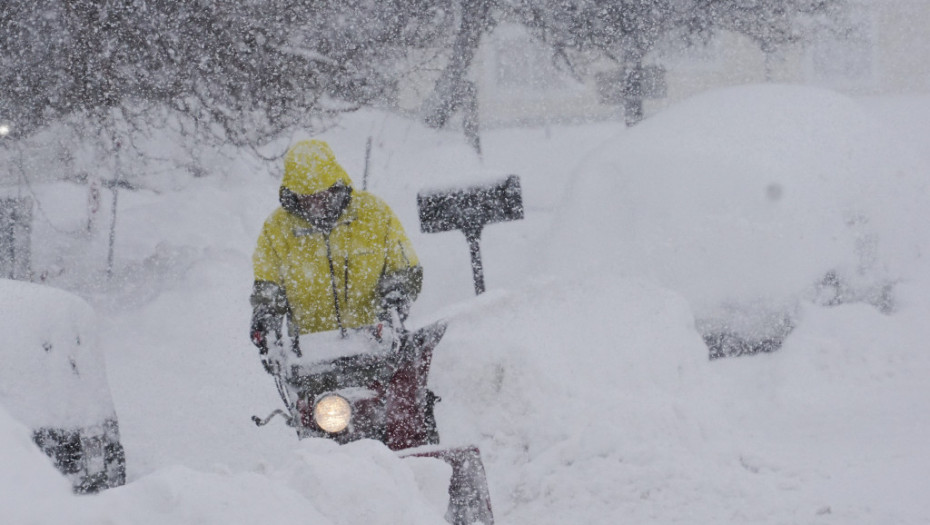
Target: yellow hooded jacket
column 367, row 246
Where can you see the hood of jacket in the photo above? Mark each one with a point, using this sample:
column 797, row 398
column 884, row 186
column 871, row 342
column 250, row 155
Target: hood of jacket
column 310, row 167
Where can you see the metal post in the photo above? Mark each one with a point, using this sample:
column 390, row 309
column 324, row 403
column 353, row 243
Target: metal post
column 367, row 157
column 10, row 238
column 115, row 190
column 13, row 219
column 112, row 232
column 473, row 236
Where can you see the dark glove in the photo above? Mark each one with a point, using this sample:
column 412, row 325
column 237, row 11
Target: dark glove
column 263, row 327
column 395, row 301
column 259, row 337
column 268, row 307
column 398, row 290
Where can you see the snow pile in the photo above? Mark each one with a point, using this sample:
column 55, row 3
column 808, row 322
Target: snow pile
column 319, row 483
column 749, row 194
column 580, row 374
column 311, row 486
column 29, row 484
column 614, row 412
column 53, row 374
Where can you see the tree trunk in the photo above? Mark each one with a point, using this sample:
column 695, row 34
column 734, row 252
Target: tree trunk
column 451, row 86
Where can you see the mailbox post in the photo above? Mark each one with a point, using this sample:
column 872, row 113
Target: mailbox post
column 469, row 210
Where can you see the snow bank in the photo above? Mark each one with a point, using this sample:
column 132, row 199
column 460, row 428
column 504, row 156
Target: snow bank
column 748, row 193
column 593, row 401
column 318, row 483
column 29, row 483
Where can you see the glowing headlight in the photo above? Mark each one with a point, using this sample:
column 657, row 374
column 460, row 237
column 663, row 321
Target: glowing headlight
column 332, row 413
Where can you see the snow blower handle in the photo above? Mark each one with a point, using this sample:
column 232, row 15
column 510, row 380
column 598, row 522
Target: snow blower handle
column 283, row 339
column 274, row 364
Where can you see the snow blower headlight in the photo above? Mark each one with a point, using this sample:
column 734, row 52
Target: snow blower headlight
column 332, row 413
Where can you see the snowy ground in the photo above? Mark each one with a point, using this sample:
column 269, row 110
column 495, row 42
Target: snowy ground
column 581, row 373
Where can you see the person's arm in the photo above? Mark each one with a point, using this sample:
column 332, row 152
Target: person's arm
column 268, row 299
column 402, row 279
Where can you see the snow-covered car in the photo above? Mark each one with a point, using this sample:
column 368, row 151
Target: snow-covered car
column 54, row 381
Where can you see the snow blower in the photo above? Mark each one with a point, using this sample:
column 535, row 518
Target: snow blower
column 370, row 383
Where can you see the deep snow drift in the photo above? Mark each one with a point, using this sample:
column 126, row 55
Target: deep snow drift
column 581, row 373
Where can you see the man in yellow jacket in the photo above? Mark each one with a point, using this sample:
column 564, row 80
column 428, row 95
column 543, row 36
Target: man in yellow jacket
column 331, row 257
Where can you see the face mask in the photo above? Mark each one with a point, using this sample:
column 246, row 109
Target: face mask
column 321, row 209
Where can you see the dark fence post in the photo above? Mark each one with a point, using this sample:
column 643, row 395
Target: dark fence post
column 16, row 238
